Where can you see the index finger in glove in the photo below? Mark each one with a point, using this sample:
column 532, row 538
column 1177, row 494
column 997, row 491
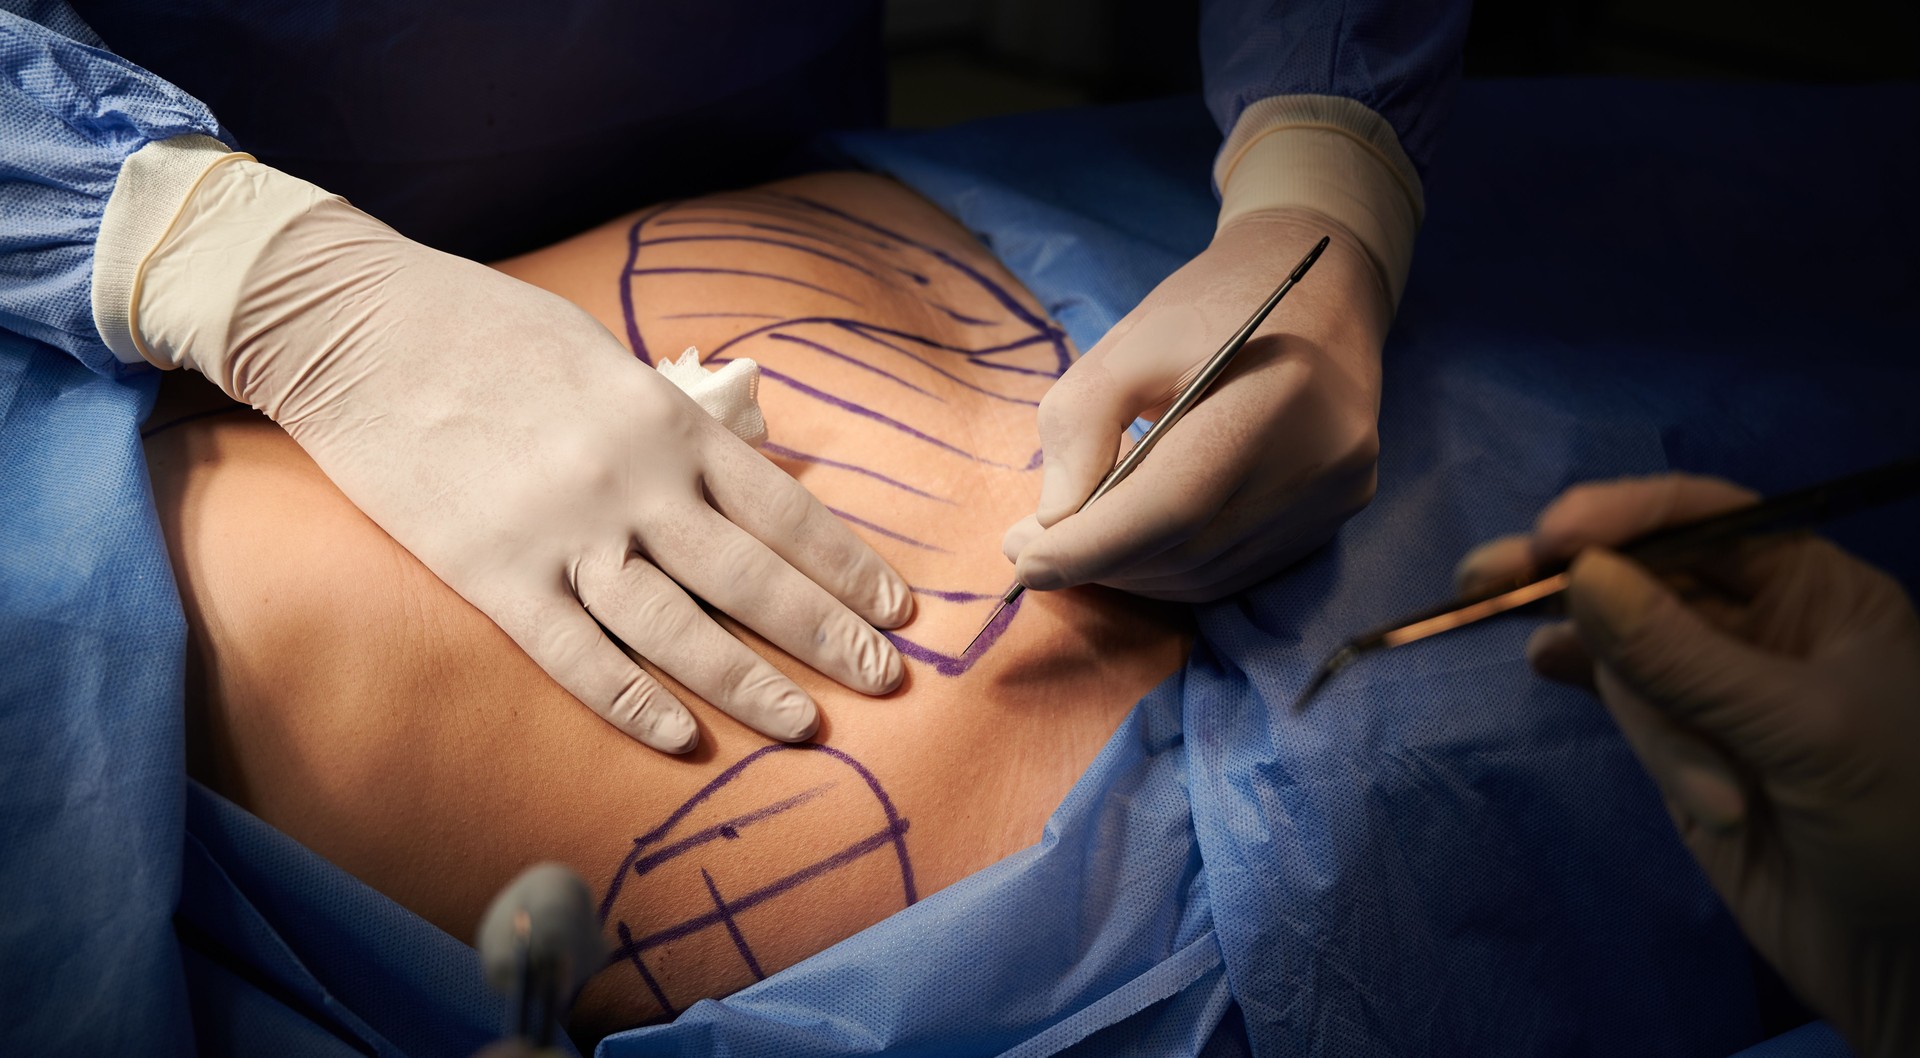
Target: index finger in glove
column 1083, row 416
column 562, row 639
column 752, row 493
column 1172, row 495
column 1603, row 513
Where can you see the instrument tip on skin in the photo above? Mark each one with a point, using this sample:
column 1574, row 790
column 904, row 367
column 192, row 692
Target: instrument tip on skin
column 992, row 617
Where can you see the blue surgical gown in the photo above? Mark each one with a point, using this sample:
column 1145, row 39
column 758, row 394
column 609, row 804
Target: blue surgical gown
column 484, row 128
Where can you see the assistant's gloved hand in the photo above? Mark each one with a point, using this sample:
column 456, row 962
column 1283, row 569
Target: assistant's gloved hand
column 511, row 443
column 1266, row 467
column 1775, row 700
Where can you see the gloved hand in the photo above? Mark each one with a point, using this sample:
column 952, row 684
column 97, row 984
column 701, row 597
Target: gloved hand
column 511, row 443
column 1776, row 703
column 1265, row 468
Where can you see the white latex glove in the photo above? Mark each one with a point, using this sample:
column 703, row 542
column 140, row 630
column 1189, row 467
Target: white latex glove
column 1778, row 710
column 1266, row 467
column 517, row 449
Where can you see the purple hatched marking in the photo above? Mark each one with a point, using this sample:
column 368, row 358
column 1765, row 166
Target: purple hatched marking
column 782, row 452
column 815, row 251
column 733, row 928
column 868, row 413
column 948, row 664
column 748, row 272
column 884, row 531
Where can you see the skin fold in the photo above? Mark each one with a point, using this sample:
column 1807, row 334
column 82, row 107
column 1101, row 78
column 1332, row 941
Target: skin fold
column 344, row 695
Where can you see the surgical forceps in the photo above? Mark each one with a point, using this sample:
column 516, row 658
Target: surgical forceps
column 1208, row 374
column 1663, row 551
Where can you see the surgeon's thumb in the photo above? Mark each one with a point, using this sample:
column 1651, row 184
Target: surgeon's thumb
column 1668, row 653
column 1082, row 419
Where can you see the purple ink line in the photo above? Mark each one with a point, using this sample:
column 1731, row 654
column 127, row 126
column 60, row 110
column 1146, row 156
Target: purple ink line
column 733, row 930
column 815, row 251
column 894, row 822
column 950, row 596
column 633, row 954
column 626, row 288
column 816, row 235
column 884, row 531
column 775, row 276
column 768, row 209
column 861, row 330
column 861, row 364
column 863, row 327
column 722, row 316
column 960, row 317
column 773, row 205
column 697, row 923
column 947, row 664
column 995, row 290
column 729, row 829
column 640, row 843
column 781, row 452
column 865, row 412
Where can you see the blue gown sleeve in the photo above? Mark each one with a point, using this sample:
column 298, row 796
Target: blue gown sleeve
column 1401, row 58
column 70, row 113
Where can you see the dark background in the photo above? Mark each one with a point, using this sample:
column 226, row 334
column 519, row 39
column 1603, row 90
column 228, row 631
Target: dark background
column 952, row 60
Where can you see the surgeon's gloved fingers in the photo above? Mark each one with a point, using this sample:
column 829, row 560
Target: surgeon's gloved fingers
column 661, row 623
column 723, row 564
column 1610, row 513
column 1702, row 786
column 1635, row 628
column 1555, row 652
column 562, row 639
column 1500, row 560
column 1084, row 415
column 1169, row 498
column 757, row 496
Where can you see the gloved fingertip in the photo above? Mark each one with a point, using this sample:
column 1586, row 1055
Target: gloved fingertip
column 877, row 665
column 1610, row 597
column 671, row 731
column 1039, row 573
column 793, row 717
column 1018, row 536
column 1495, row 559
column 1554, row 652
column 1705, row 786
column 896, row 605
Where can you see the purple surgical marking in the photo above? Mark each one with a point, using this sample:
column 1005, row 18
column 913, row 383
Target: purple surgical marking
column 728, row 830
column 781, row 452
column 861, row 364
column 951, row 596
column 822, row 254
column 748, row 272
column 659, row 994
column 884, row 531
column 960, row 317
column 948, row 664
column 644, row 858
column 733, row 928
column 868, row 413
column 626, row 289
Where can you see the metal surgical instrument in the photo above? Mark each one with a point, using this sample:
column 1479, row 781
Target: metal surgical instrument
column 1208, row 374
column 1664, row 551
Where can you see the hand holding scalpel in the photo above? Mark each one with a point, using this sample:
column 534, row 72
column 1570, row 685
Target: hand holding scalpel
column 1204, row 379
